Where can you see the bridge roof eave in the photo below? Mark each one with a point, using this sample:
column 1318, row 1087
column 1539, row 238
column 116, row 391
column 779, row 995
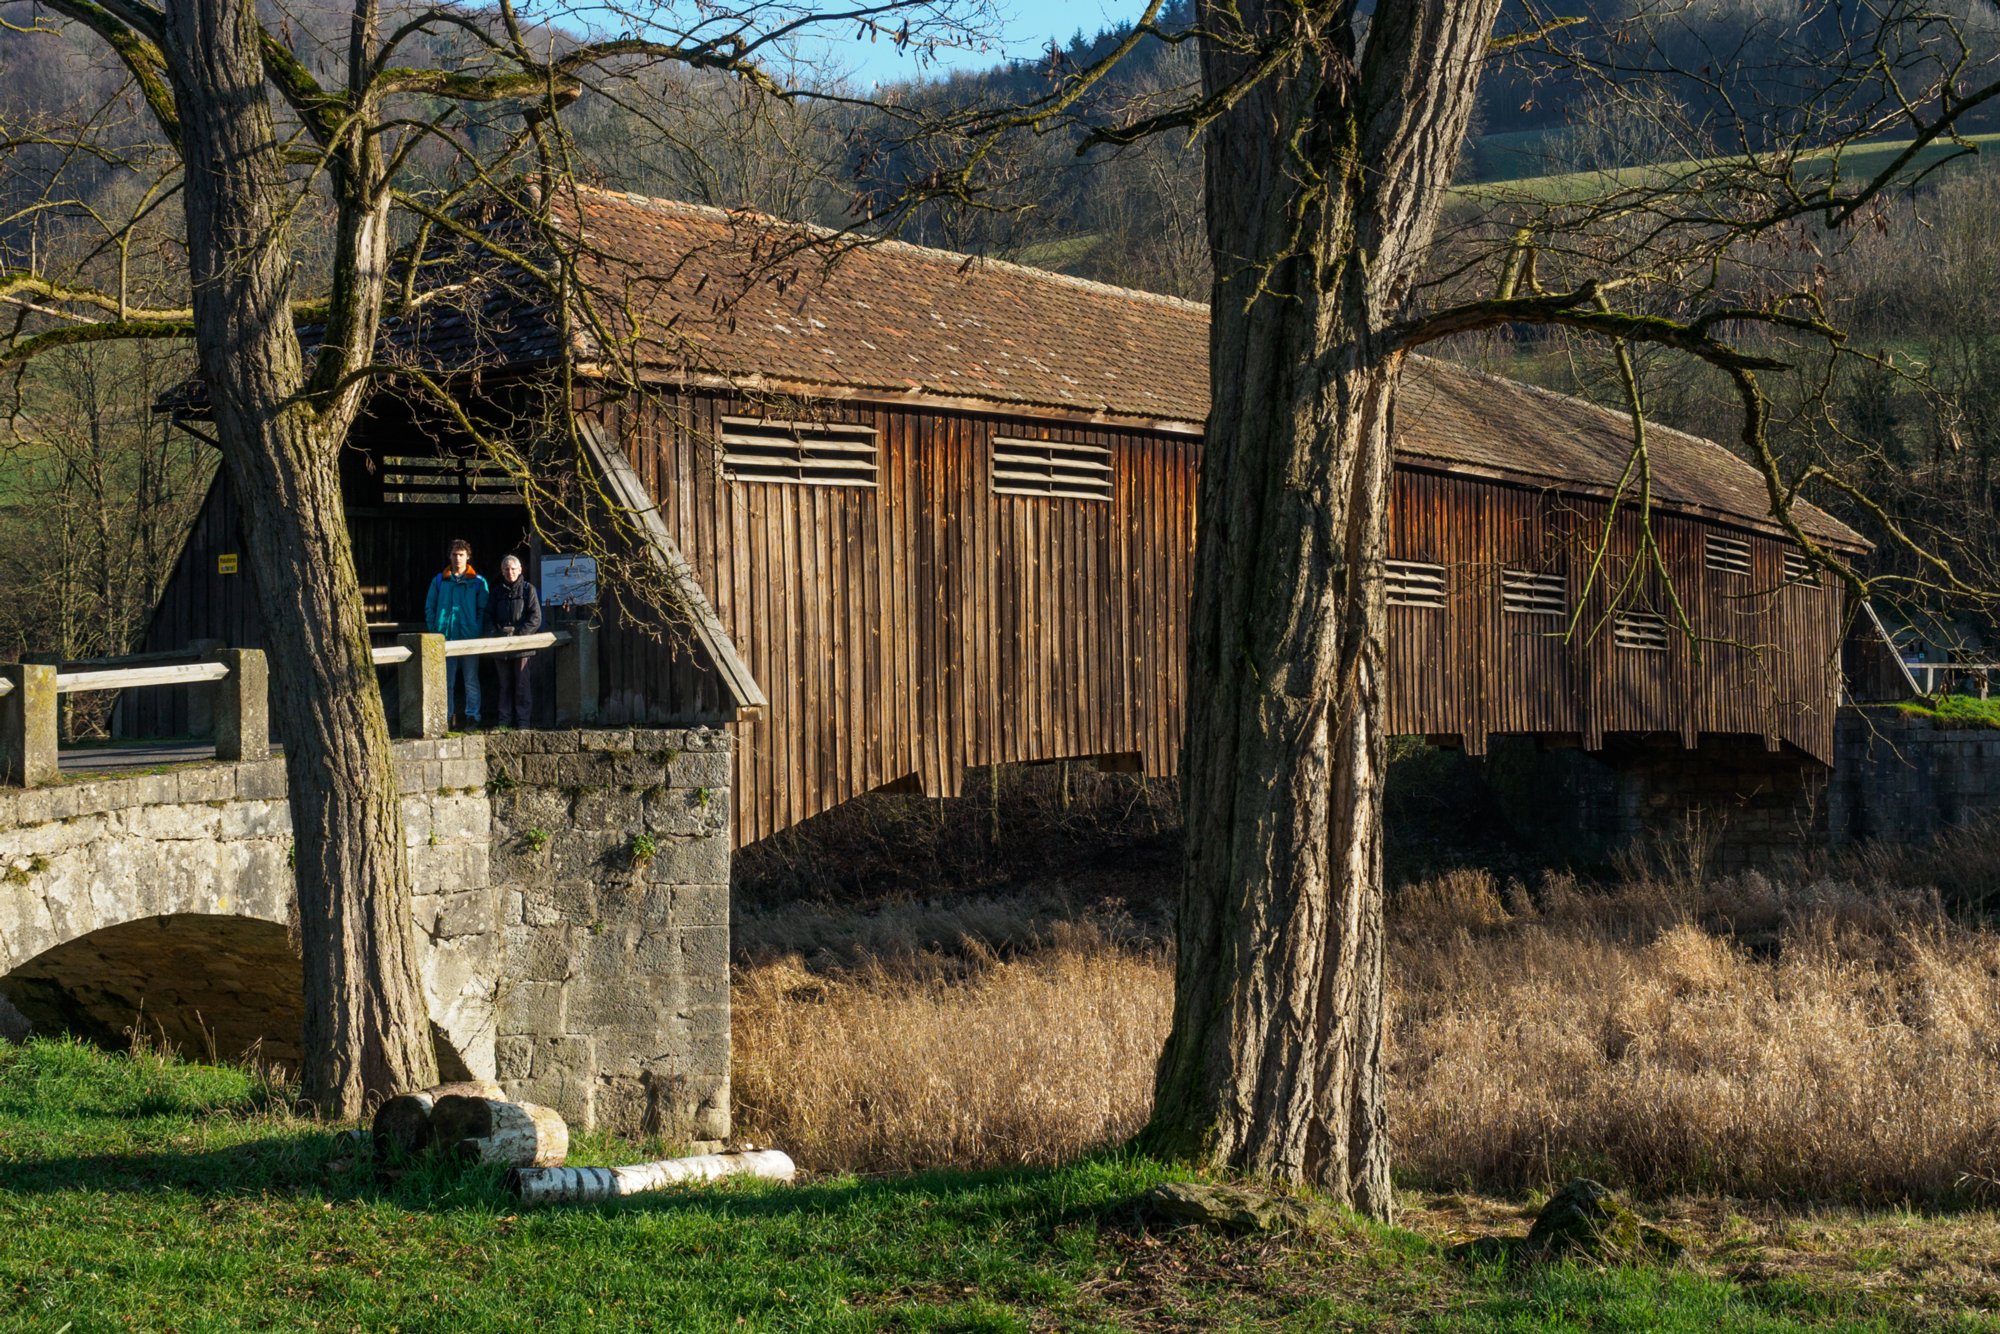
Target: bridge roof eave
column 629, row 491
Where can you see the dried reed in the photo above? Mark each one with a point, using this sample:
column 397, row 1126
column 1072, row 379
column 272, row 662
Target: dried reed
column 1825, row 1039
column 971, row 1059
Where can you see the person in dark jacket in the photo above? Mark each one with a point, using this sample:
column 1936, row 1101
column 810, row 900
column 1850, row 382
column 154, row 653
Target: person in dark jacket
column 514, row 608
column 455, row 607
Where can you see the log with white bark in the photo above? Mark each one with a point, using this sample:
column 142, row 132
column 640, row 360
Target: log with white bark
column 588, row 1185
column 493, row 1130
column 403, row 1123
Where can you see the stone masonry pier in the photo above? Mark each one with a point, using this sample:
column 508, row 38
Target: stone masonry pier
column 571, row 914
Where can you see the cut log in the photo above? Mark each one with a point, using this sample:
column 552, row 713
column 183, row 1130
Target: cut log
column 403, row 1123
column 493, row 1130
column 587, row 1185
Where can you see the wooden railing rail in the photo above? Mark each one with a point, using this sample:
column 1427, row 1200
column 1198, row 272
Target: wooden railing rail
column 422, row 705
column 232, row 698
column 493, row 644
column 236, row 705
column 397, row 654
column 196, row 652
column 121, row 678
column 1927, row 674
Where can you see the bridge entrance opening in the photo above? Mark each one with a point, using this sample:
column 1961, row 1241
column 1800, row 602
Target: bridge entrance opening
column 209, row 987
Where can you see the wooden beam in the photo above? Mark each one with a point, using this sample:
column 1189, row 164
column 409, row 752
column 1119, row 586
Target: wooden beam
column 487, row 645
column 630, row 493
column 187, row 673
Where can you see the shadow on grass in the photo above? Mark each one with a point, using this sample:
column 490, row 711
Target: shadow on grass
column 336, row 1168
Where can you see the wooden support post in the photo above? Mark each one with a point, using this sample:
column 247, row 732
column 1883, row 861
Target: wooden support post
column 576, row 676
column 28, row 724
column 242, row 706
column 421, row 705
column 204, row 701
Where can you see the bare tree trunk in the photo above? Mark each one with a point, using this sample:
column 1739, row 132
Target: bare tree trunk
column 1324, row 185
column 366, row 1028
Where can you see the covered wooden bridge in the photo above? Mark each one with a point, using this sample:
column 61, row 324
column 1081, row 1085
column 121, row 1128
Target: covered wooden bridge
column 934, row 513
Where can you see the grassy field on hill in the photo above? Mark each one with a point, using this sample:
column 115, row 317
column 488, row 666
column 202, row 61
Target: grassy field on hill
column 138, row 1193
column 1857, row 163
column 1514, row 170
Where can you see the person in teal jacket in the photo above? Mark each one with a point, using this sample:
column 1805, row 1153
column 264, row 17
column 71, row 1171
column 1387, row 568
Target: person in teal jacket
column 456, row 608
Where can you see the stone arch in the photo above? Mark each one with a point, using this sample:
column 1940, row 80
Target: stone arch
column 68, row 879
column 209, row 985
column 182, row 910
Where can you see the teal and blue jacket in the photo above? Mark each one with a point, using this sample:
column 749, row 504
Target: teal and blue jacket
column 456, row 605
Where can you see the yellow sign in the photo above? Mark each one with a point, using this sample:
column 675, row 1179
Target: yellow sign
column 225, row 563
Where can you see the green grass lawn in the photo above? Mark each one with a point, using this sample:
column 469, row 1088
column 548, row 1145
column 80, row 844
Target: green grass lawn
column 1509, row 173
column 1956, row 710
column 1855, row 164
column 137, row 1193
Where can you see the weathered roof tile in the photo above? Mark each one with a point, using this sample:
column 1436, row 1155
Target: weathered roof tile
column 734, row 295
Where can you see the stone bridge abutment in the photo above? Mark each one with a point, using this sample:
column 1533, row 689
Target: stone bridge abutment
column 570, row 914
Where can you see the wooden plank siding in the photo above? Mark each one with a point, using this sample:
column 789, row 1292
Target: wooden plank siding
column 907, row 631
column 912, row 630
column 1764, row 662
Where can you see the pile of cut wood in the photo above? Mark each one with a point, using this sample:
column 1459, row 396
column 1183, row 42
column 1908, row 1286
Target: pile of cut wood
column 475, row 1121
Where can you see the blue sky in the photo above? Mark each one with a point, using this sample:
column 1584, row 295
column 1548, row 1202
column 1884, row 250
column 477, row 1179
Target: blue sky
column 1025, row 27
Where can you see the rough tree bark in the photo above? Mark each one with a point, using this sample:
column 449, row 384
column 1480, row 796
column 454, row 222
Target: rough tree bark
column 1324, row 183
column 366, row 1026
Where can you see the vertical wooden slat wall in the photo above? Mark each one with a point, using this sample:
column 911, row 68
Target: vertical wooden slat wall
column 1764, row 660
column 911, row 630
column 926, row 625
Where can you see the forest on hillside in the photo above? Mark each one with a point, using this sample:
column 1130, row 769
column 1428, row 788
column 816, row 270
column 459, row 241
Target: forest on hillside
column 96, row 490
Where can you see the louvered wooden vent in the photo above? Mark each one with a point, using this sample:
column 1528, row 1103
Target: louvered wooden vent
column 1415, row 583
column 1731, row 555
column 1798, row 570
column 446, row 479
column 1641, row 630
column 1051, row 468
column 802, row 453
column 1526, row 593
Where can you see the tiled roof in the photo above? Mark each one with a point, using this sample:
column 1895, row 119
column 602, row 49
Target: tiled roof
column 896, row 319
column 888, row 316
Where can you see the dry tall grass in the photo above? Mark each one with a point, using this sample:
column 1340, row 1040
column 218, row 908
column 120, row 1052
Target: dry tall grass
column 1836, row 1045
column 967, row 1059
column 1827, row 1039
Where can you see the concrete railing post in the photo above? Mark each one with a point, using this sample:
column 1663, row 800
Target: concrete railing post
column 204, row 700
column 421, row 705
column 65, row 708
column 576, row 676
column 242, row 703
column 28, row 724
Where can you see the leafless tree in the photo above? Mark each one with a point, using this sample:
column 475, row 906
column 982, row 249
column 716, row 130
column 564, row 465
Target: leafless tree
column 101, row 494
column 296, row 153
column 1330, row 138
